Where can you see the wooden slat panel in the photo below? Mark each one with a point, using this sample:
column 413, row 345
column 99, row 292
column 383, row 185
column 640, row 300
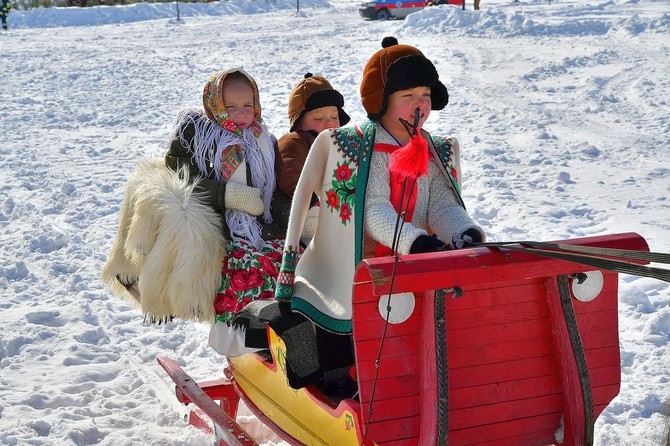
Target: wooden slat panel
column 603, row 395
column 393, row 409
column 504, row 412
column 402, row 431
column 514, row 293
column 395, row 387
column 503, row 391
column 606, row 300
column 510, row 332
column 602, row 339
column 499, row 352
column 400, row 347
column 387, row 369
column 595, row 321
column 401, row 442
column 495, row 315
column 533, row 431
column 605, row 376
column 494, row 373
column 370, row 310
column 603, row 357
column 531, row 439
column 373, row 329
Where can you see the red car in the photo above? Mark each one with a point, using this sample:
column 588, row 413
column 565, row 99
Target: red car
column 397, row 9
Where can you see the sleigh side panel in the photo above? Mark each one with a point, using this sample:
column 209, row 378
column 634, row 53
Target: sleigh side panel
column 518, row 367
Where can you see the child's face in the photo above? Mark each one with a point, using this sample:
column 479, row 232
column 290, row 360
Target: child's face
column 403, row 103
column 239, row 100
column 320, row 119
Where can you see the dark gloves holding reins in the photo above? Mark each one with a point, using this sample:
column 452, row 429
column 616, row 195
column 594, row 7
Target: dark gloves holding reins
column 427, row 243
column 466, row 239
column 431, row 243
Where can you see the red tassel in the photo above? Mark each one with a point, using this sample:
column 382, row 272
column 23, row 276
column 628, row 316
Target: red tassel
column 411, row 160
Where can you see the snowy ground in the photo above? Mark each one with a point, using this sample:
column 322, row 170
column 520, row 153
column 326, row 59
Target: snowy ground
column 561, row 108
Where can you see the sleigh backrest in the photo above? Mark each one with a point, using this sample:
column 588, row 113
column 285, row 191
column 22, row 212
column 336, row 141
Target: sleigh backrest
column 524, row 362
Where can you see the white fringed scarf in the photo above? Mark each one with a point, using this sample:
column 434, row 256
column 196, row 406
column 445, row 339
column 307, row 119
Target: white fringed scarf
column 258, row 152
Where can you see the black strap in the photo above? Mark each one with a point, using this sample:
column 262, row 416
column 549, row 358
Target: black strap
column 580, row 357
column 598, row 258
column 441, row 366
column 656, row 257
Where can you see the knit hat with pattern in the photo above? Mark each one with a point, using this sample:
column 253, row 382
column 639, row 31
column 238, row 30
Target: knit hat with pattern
column 311, row 93
column 398, row 67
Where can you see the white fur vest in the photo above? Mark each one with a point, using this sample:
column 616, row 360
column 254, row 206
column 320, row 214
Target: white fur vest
column 167, row 254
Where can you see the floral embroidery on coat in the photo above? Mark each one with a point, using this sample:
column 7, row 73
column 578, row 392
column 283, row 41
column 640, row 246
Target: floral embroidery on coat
column 286, row 275
column 342, row 196
column 446, row 154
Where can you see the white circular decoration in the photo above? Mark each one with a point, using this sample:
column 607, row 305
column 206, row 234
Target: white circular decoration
column 589, row 288
column 402, row 307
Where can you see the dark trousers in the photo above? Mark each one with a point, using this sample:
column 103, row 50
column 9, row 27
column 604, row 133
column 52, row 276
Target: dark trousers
column 4, row 22
column 312, row 353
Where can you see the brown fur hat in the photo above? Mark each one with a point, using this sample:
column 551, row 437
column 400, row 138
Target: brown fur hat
column 398, row 67
column 310, row 93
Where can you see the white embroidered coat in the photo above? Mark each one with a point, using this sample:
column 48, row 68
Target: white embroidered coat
column 352, row 183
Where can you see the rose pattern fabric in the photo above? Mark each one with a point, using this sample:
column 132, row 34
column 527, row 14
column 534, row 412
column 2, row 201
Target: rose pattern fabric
column 342, row 196
column 246, row 275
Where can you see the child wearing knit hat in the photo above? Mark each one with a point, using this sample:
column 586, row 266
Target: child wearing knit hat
column 367, row 176
column 313, row 106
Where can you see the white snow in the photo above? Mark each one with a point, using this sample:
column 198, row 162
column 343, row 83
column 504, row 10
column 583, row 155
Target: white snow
column 561, row 108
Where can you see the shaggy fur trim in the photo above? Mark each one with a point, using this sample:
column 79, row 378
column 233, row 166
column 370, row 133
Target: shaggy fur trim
column 168, row 245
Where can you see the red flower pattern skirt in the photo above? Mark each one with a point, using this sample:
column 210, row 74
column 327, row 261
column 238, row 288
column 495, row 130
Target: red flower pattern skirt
column 247, row 274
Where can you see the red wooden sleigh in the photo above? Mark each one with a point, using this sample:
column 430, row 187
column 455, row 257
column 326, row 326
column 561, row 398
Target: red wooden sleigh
column 486, row 347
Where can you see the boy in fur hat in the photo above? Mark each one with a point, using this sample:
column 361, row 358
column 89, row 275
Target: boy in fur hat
column 364, row 177
column 313, row 106
column 230, row 151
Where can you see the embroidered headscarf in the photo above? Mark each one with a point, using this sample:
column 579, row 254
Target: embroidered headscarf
column 215, row 108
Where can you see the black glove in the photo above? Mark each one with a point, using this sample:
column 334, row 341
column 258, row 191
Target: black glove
column 467, row 239
column 425, row 243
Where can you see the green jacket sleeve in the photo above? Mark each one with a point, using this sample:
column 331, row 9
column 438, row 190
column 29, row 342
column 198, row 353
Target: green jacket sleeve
column 179, row 155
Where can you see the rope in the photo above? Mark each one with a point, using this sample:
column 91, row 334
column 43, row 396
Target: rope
column 442, row 371
column 400, row 221
column 580, row 357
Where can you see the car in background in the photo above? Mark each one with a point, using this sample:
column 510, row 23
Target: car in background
column 398, row 9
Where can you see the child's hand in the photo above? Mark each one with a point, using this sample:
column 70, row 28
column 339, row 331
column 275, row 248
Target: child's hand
column 466, row 239
column 426, row 243
column 244, row 198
